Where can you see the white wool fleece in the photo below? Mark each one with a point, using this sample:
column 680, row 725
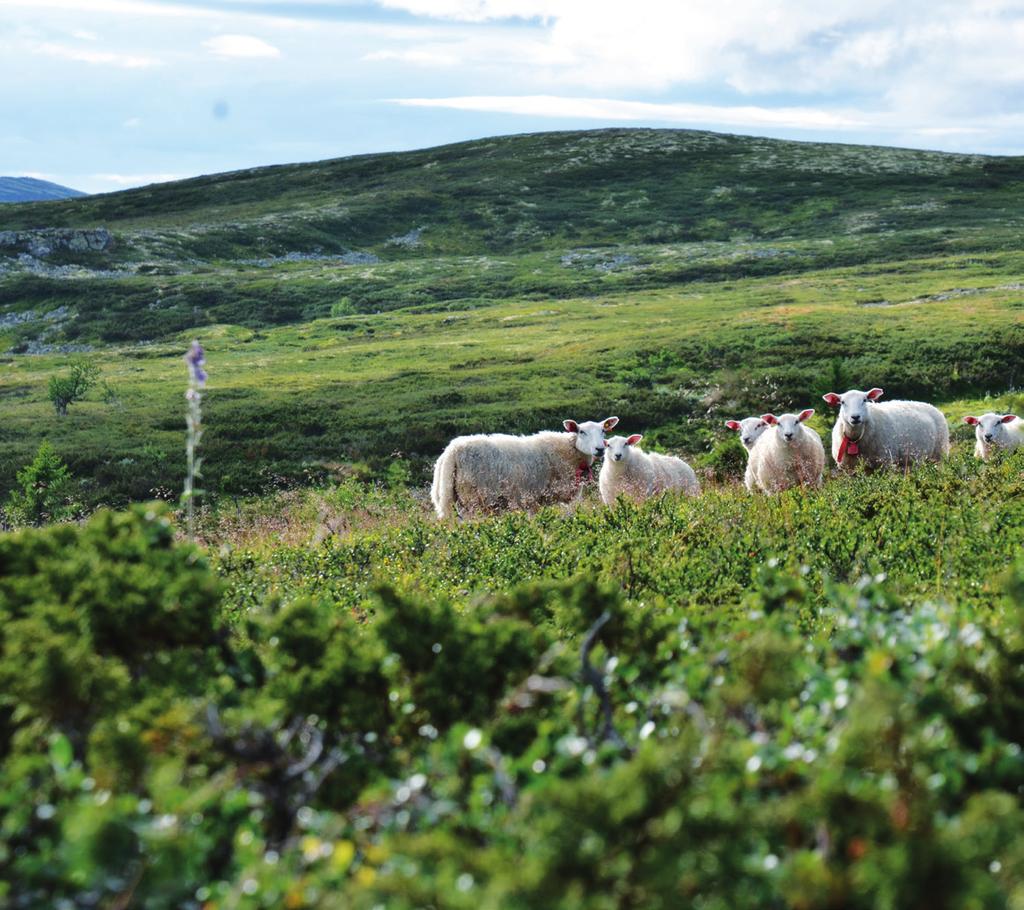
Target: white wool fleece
column 789, row 454
column 493, row 472
column 889, row 433
column 629, row 471
column 995, row 431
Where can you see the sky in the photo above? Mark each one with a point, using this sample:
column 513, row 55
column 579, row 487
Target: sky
column 107, row 94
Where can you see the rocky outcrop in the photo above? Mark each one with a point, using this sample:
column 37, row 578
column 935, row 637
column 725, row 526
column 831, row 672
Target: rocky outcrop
column 43, row 242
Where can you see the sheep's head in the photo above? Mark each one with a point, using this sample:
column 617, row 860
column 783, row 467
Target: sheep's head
column 853, row 409
column 991, row 428
column 590, row 434
column 618, row 446
column 788, row 425
column 750, row 429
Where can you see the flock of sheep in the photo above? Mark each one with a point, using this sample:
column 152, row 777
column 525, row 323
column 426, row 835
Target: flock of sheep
column 494, row 472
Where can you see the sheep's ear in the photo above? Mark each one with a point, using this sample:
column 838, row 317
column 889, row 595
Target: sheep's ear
column 733, row 424
column 806, row 414
column 1008, row 418
column 833, row 399
column 634, row 439
column 875, row 394
column 973, row 421
column 770, row 419
column 609, row 424
column 571, row 426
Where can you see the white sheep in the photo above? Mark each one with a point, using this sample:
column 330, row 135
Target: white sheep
column 891, row 433
column 750, row 430
column 496, row 471
column 787, row 455
column 996, row 431
column 629, row 471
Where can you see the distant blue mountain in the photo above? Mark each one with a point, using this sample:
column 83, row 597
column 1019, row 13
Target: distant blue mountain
column 28, row 189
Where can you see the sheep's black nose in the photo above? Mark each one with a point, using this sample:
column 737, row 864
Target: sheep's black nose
column 988, row 437
column 855, row 419
column 789, row 435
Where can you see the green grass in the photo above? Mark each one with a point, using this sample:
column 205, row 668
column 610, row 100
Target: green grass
column 674, row 277
column 553, row 215
column 672, row 363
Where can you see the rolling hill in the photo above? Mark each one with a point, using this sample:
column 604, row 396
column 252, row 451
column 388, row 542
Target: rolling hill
column 30, row 189
column 365, row 306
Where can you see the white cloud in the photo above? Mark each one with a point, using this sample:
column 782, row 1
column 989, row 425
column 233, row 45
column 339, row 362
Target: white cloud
column 416, row 56
column 792, row 46
column 96, row 58
column 615, row 110
column 243, row 46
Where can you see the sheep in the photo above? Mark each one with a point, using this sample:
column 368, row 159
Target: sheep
column 495, row 471
column 750, row 430
column 787, row 455
column 631, row 472
column 996, row 431
column 891, row 433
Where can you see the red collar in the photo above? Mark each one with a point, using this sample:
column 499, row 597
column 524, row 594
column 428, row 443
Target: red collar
column 583, row 470
column 847, row 447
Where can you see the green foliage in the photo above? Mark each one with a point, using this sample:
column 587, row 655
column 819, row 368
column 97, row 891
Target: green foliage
column 65, row 390
column 45, row 491
column 798, row 701
column 807, row 700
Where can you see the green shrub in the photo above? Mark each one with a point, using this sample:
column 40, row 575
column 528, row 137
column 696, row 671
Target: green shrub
column 45, row 491
column 66, row 390
column 799, row 701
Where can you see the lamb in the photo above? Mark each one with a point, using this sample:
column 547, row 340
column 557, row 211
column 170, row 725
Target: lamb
column 891, row 433
column 496, row 471
column 750, row 430
column 787, row 455
column 996, row 431
column 628, row 471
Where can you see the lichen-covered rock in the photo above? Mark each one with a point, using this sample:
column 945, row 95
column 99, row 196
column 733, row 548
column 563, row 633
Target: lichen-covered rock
column 46, row 241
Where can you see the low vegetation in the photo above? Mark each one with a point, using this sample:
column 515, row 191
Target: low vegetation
column 806, row 700
column 332, row 700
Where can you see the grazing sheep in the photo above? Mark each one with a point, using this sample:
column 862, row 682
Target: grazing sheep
column 891, row 433
column 750, row 430
column 787, row 455
column 628, row 471
column 996, row 431
column 492, row 472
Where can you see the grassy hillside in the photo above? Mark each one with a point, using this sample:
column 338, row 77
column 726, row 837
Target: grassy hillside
column 357, row 308
column 555, row 215
column 287, row 402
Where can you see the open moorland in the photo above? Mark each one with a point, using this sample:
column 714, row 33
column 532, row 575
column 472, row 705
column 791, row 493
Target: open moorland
column 331, row 699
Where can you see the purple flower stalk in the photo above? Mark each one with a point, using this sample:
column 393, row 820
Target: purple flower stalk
column 196, row 359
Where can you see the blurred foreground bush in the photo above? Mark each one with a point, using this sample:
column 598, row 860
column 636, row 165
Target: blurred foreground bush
column 556, row 745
